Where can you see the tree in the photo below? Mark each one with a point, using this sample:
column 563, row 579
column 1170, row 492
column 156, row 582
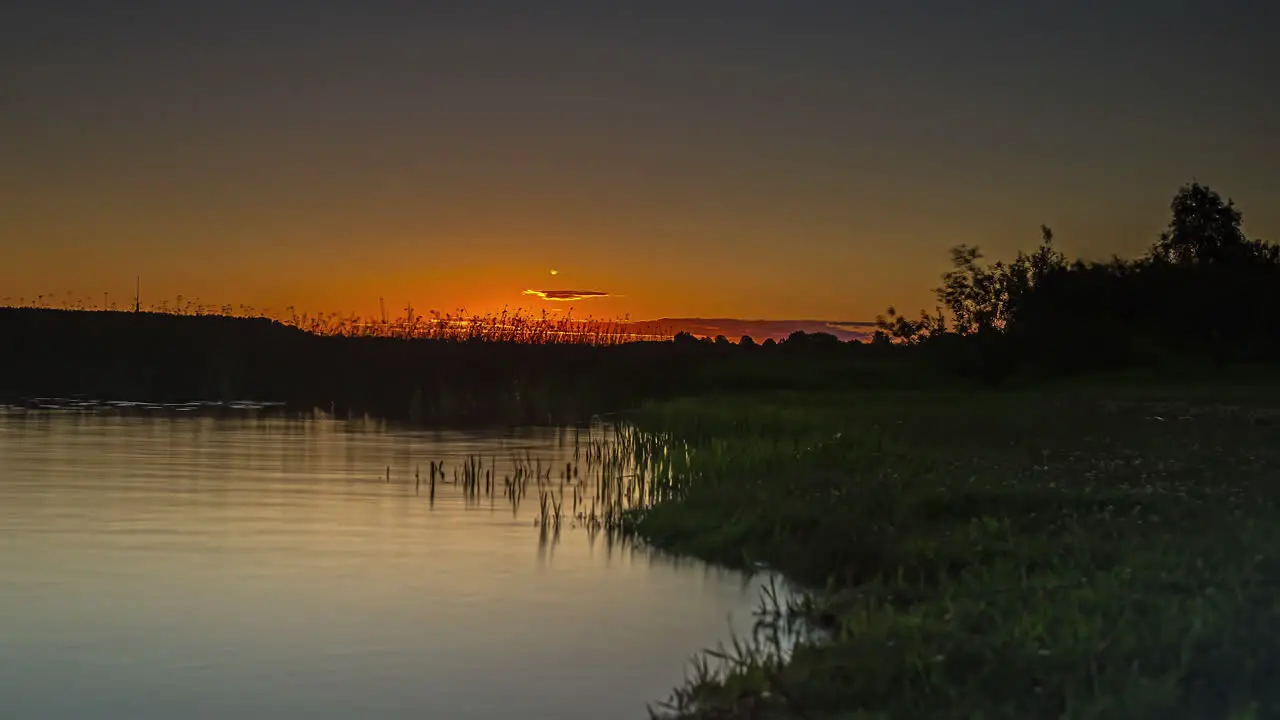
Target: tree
column 685, row 339
column 797, row 340
column 985, row 299
column 898, row 327
column 1204, row 229
column 823, row 341
column 1203, row 291
column 1047, row 260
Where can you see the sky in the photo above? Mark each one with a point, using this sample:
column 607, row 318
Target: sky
column 794, row 159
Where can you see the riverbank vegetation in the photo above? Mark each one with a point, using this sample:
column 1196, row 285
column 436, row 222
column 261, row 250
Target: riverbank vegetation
column 996, row 554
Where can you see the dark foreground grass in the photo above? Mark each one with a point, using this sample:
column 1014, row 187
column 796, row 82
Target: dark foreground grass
column 1053, row 555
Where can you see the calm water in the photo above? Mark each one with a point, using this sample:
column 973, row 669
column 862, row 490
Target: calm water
column 153, row 567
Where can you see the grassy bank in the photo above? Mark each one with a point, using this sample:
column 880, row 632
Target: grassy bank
column 1078, row 554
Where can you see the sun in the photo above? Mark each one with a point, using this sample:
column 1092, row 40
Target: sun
column 555, row 272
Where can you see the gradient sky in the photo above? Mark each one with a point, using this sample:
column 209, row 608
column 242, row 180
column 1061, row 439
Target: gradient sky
column 690, row 158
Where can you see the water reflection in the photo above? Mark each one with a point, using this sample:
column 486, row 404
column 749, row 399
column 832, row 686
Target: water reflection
column 160, row 567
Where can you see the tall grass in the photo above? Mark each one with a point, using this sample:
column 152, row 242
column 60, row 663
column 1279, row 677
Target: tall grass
column 507, row 326
column 616, row 470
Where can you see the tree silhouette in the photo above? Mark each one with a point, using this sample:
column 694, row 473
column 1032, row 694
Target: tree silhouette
column 823, row 341
column 1203, row 292
column 685, row 338
column 1204, row 229
column 900, row 328
column 985, row 299
column 797, row 340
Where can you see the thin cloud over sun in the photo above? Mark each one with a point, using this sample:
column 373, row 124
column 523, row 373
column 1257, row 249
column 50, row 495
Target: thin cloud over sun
column 566, row 295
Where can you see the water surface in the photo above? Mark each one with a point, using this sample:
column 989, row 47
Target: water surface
column 189, row 567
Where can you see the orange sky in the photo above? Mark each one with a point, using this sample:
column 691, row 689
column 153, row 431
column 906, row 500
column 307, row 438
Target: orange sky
column 812, row 164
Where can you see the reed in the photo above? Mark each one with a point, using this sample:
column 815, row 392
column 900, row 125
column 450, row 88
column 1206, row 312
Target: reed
column 508, row 326
column 618, row 471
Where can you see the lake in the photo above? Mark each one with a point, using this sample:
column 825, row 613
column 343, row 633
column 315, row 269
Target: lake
column 165, row 565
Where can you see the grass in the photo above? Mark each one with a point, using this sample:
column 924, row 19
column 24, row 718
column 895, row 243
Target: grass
column 175, row 358
column 611, row 473
column 992, row 555
column 517, row 326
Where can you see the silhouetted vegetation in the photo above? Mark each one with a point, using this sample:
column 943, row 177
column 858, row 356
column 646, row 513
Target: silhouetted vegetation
column 455, row 379
column 516, row 326
column 1204, row 294
column 165, row 358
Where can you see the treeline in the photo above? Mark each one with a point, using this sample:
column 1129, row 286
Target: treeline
column 1204, row 294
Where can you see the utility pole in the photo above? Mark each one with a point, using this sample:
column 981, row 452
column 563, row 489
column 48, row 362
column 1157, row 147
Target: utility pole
column 137, row 294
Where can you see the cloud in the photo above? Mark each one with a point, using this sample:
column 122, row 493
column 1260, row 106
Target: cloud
column 854, row 326
column 566, row 295
column 760, row 330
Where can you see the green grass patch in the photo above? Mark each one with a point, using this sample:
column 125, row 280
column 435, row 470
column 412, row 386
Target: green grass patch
column 989, row 555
